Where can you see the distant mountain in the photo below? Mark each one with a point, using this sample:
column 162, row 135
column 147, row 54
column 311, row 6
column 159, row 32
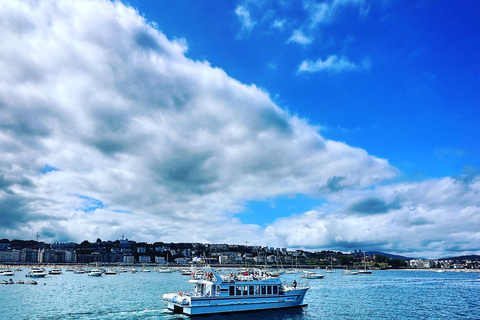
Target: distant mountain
column 388, row 255
column 468, row 257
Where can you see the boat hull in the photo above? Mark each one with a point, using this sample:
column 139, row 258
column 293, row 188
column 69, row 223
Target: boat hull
column 222, row 305
column 36, row 275
column 203, row 310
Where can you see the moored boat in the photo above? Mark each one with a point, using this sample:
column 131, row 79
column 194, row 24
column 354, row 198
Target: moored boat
column 244, row 292
column 55, row 271
column 36, row 273
column 164, row 270
column 79, row 271
column 95, row 273
column 350, row 272
column 10, row 281
column 312, row 275
column 111, row 272
column 7, row 272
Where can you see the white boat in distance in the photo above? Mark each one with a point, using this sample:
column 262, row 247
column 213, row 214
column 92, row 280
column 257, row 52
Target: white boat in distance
column 79, row 271
column 95, row 273
column 111, row 272
column 55, row 271
column 364, row 271
column 350, row 272
column 164, row 270
column 331, row 266
column 36, row 273
column 7, row 272
column 234, row 293
column 311, row 275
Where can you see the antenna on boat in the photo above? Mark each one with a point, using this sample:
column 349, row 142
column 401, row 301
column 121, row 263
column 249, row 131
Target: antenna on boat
column 246, row 247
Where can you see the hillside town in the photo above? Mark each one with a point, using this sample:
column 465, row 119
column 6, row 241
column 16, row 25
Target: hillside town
column 128, row 252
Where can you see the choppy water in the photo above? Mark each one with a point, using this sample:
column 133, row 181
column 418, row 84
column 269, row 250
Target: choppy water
column 381, row 295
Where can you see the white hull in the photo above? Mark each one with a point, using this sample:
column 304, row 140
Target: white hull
column 313, row 276
column 35, row 275
column 245, row 291
column 209, row 306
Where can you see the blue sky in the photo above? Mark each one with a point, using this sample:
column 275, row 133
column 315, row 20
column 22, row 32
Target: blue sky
column 340, row 124
column 415, row 102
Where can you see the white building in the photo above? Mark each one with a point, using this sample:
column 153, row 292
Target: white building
column 160, row 260
column 420, row 263
column 128, row 259
column 144, row 259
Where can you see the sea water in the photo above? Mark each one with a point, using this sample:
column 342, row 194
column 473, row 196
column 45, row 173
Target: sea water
column 381, row 295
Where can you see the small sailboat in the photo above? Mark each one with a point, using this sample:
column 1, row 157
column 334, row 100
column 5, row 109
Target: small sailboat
column 349, row 272
column 331, row 267
column 364, row 271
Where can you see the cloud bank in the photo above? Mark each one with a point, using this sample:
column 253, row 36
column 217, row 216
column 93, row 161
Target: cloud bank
column 108, row 129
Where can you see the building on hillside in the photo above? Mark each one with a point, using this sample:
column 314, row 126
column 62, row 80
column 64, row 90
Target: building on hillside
column 182, row 260
column 160, row 260
column 420, row 264
column 185, row 252
column 128, row 259
column 144, row 259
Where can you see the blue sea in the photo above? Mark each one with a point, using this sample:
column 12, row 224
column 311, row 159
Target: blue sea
column 381, row 295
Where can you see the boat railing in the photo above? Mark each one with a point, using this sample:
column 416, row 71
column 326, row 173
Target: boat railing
column 289, row 286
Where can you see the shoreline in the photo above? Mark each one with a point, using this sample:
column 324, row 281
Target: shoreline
column 175, row 267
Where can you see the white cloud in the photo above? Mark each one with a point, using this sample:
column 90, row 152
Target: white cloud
column 433, row 218
column 279, row 24
column 333, row 64
column 324, row 12
column 147, row 143
column 246, row 20
column 299, row 37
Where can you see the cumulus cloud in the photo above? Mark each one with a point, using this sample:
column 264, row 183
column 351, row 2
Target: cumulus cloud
column 279, row 24
column 299, row 37
column 246, row 20
column 324, row 12
column 106, row 128
column 333, row 64
column 434, row 218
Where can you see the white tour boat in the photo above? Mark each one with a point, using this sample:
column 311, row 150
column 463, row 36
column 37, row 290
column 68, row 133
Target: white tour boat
column 243, row 292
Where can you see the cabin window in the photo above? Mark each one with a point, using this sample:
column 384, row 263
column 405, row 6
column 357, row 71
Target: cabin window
column 257, row 290
column 245, row 290
column 264, row 290
column 250, row 290
column 231, row 291
column 238, row 291
column 275, row 289
column 269, row 289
